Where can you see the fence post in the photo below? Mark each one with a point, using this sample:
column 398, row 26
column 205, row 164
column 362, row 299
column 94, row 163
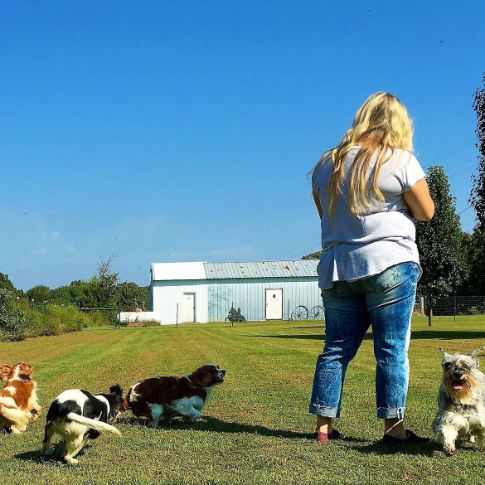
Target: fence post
column 177, row 318
column 422, row 304
column 454, row 308
column 288, row 309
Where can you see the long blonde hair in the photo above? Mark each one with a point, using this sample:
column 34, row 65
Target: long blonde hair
column 380, row 125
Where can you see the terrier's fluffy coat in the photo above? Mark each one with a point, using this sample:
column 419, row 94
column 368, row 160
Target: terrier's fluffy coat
column 461, row 414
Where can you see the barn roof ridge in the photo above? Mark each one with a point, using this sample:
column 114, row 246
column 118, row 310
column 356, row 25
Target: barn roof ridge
column 292, row 268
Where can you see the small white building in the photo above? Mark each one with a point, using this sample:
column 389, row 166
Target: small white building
column 205, row 292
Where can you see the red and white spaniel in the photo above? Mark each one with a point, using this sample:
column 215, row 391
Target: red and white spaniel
column 18, row 399
column 166, row 397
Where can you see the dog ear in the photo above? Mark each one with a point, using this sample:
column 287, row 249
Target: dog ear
column 5, row 371
column 476, row 353
column 445, row 354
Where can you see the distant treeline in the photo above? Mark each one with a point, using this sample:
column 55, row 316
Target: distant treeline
column 45, row 311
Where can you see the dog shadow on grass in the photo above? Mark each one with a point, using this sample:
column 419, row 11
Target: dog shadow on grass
column 207, row 423
column 378, row 448
column 426, row 449
column 54, row 457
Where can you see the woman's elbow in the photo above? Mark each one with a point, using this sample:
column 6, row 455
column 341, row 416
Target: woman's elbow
column 426, row 213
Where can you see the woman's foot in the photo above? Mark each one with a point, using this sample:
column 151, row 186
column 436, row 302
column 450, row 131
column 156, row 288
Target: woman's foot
column 326, row 437
column 410, row 438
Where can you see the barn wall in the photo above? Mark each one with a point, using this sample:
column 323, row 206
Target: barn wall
column 166, row 294
column 249, row 295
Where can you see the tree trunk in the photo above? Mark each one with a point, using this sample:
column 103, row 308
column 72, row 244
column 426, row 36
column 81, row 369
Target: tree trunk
column 430, row 315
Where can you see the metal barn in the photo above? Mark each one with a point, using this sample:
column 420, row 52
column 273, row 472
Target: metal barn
column 205, row 292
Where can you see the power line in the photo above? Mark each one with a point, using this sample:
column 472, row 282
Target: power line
column 465, row 209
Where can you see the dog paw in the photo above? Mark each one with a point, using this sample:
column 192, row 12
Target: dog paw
column 70, row 461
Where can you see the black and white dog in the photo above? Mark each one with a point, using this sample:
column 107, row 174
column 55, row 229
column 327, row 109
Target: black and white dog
column 79, row 416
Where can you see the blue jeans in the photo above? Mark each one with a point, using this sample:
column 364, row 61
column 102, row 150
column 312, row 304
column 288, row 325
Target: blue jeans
column 386, row 302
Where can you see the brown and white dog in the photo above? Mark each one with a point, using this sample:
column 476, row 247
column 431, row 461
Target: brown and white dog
column 166, row 397
column 18, row 399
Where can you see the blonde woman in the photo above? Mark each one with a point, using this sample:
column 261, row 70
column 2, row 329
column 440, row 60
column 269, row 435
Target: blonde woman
column 367, row 191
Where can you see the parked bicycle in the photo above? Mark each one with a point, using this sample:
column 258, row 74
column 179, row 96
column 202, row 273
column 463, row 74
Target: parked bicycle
column 301, row 312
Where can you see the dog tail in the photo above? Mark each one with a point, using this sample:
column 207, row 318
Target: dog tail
column 126, row 401
column 93, row 423
column 16, row 416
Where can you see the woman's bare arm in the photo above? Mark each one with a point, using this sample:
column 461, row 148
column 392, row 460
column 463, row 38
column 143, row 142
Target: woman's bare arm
column 419, row 201
column 317, row 204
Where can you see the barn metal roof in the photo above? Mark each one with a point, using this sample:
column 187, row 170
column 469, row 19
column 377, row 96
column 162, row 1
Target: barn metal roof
column 302, row 268
column 178, row 271
column 262, row 269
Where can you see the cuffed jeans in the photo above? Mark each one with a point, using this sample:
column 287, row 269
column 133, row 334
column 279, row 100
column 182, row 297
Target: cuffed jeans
column 386, row 302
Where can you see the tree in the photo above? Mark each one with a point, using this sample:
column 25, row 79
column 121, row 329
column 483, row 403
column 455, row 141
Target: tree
column 39, row 293
column 131, row 296
column 473, row 252
column 440, row 244
column 315, row 255
column 104, row 285
column 476, row 281
column 477, row 196
column 5, row 282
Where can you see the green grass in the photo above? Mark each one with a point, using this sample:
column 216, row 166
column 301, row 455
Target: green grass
column 256, row 428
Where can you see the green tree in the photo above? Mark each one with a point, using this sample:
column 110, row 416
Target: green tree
column 5, row 282
column 440, row 244
column 477, row 196
column 108, row 282
column 132, row 296
column 39, row 293
column 315, row 255
column 476, row 281
column 473, row 253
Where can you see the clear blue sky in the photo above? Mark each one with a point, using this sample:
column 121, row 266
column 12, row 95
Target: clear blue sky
column 184, row 130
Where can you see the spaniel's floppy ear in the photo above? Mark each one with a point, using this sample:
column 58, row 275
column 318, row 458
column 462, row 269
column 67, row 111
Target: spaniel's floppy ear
column 5, row 371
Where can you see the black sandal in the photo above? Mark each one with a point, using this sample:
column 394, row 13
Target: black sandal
column 411, row 439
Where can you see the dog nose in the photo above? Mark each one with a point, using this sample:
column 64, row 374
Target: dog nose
column 458, row 374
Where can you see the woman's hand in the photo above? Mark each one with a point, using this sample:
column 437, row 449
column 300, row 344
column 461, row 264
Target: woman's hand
column 419, row 201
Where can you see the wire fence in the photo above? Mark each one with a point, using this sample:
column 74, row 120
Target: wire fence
column 453, row 305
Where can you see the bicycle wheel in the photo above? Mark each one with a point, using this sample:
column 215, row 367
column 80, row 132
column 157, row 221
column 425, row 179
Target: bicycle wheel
column 317, row 312
column 300, row 313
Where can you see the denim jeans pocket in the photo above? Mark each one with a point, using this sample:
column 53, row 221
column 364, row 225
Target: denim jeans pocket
column 386, row 280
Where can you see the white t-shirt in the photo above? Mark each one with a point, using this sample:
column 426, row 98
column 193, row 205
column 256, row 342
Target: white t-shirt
column 357, row 246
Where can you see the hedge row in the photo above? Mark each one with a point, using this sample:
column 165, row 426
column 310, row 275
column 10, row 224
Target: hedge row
column 19, row 321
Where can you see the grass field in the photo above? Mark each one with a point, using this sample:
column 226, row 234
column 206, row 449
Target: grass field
column 256, row 427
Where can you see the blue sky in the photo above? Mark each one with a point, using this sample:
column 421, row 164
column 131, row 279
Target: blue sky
column 179, row 131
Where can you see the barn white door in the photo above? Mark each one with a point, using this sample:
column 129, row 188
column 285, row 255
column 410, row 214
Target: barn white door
column 274, row 304
column 188, row 307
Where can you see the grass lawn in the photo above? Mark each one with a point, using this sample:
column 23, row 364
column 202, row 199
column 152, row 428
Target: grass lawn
column 256, row 427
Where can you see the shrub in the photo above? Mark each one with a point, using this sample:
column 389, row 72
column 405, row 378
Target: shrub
column 12, row 318
column 98, row 319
